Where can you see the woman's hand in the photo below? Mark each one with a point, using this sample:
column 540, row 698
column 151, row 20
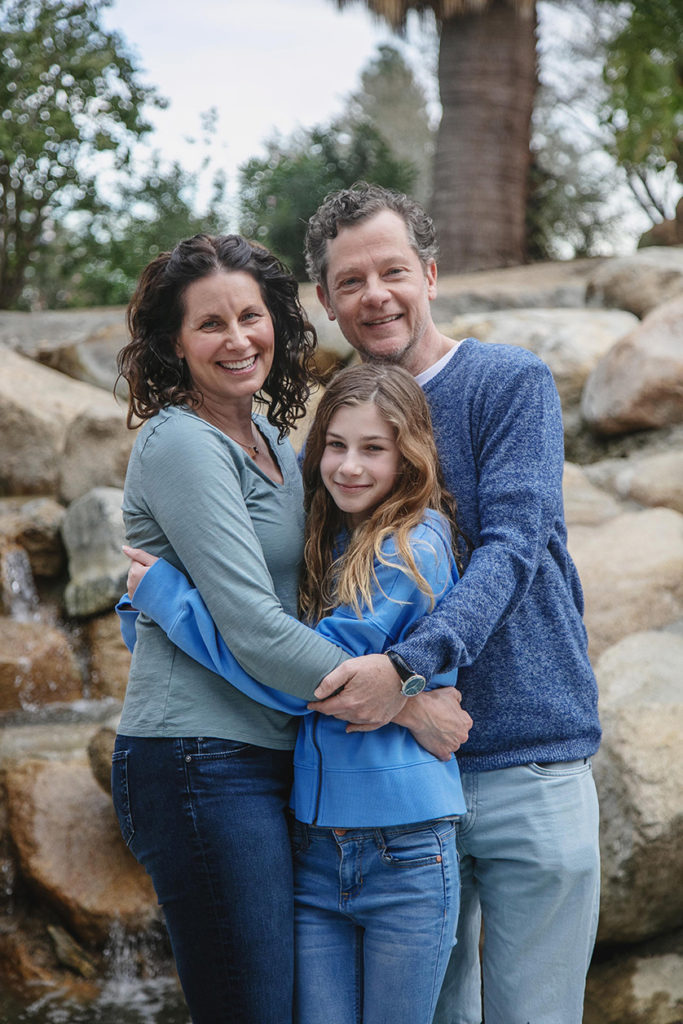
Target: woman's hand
column 140, row 563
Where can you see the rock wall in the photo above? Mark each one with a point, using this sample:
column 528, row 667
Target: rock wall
column 611, row 331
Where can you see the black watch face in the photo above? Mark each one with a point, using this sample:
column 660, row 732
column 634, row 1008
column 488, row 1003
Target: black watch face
column 413, row 685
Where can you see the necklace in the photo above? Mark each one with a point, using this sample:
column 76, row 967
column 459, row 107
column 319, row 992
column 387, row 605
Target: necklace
column 249, row 447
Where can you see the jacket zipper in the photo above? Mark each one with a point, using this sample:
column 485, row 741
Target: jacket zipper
column 320, row 768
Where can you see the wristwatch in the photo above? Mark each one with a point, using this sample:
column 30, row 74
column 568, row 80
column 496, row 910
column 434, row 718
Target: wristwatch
column 411, row 682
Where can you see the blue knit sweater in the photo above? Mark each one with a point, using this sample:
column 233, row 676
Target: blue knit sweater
column 513, row 625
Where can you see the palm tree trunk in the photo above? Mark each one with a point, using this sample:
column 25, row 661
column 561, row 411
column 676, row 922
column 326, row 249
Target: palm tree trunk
column 487, row 79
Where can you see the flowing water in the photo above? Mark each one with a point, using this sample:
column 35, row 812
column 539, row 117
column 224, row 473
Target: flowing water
column 19, row 594
column 124, row 997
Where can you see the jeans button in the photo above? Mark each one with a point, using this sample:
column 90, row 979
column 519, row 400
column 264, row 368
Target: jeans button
column 340, row 831
column 188, row 757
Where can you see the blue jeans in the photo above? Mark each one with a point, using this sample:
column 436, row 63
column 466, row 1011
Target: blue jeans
column 375, row 915
column 207, row 818
column 530, row 866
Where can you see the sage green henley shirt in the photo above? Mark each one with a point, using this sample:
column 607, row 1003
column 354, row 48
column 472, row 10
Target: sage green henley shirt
column 194, row 497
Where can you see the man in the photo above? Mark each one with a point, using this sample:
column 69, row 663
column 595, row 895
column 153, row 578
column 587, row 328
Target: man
column 529, row 842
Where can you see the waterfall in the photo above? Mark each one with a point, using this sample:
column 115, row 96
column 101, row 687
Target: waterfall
column 19, row 595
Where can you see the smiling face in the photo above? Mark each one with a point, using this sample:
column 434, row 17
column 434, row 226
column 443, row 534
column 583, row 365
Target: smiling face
column 226, row 339
column 380, row 293
column 360, row 460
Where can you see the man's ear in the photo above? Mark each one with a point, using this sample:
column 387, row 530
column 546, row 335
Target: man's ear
column 431, row 275
column 324, row 301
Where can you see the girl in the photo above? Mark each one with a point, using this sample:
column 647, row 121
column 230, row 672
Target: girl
column 376, row 874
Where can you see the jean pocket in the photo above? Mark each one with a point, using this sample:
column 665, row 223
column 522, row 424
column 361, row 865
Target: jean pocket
column 416, row 846
column 559, row 769
column 120, row 794
column 210, row 748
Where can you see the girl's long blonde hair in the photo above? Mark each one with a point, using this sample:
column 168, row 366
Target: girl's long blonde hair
column 330, row 578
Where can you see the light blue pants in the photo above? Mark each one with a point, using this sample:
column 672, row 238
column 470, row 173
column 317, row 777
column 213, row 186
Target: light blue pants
column 375, row 913
column 529, row 865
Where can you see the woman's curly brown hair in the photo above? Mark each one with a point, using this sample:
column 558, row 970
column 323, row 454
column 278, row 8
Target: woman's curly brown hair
column 157, row 377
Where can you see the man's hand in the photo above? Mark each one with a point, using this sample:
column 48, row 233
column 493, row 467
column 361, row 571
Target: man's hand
column 436, row 720
column 140, row 563
column 370, row 692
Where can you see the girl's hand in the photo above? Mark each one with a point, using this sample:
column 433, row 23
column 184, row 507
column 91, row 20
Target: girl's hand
column 140, row 563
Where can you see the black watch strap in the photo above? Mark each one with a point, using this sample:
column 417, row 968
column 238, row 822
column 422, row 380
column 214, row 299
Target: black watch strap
column 412, row 682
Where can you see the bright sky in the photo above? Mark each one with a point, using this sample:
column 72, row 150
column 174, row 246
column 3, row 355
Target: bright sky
column 264, row 64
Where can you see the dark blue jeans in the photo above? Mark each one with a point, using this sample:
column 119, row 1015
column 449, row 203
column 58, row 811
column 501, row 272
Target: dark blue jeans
column 206, row 818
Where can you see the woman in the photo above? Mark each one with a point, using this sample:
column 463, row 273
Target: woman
column 201, row 774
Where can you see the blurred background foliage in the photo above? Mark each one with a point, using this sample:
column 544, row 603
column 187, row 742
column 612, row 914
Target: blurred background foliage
column 81, row 211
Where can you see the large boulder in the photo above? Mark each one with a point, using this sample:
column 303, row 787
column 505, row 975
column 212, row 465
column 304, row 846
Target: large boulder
column 651, row 478
column 109, row 657
column 70, row 850
column 638, row 282
column 569, row 341
column 60, row 437
column 638, row 772
column 37, row 666
column 544, row 285
column 93, row 534
column 639, row 383
column 81, row 343
column 645, row 987
column 584, row 503
column 631, row 568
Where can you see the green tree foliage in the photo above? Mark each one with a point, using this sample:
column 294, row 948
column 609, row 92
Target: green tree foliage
column 396, row 103
column 644, row 108
column 96, row 258
column 278, row 193
column 69, row 91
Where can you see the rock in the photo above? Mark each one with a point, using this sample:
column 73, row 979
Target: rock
column 569, row 341
column 39, row 455
column 81, row 343
column 70, row 850
column 639, row 383
column 638, row 282
column 37, row 666
column 584, row 503
column 638, row 771
column 93, row 534
column 49, row 739
column 100, row 749
column 35, row 525
column 654, row 479
column 643, row 988
column 544, row 285
column 70, row 954
column 109, row 657
column 667, row 232
column 631, row 569
column 89, row 439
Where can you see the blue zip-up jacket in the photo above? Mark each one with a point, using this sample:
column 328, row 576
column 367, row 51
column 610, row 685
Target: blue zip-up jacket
column 341, row 779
